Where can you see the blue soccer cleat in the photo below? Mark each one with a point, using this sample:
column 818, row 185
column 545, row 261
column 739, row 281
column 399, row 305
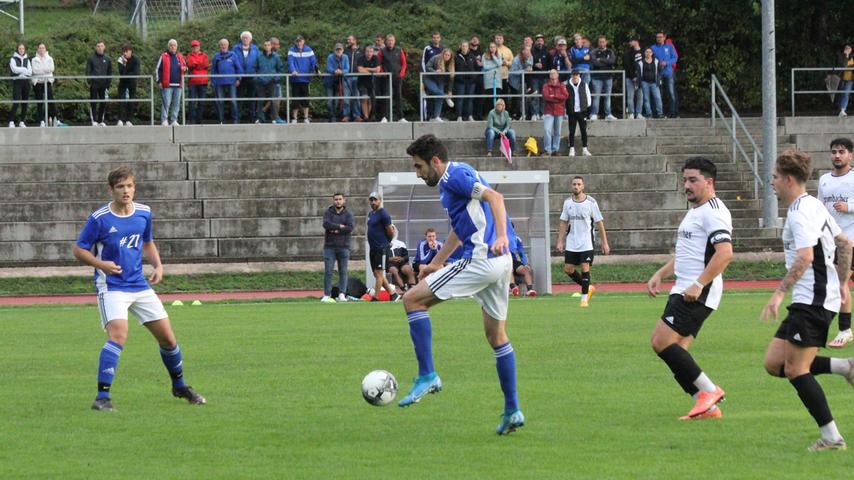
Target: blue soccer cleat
column 510, row 421
column 425, row 384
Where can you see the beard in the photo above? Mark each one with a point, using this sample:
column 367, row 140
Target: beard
column 433, row 179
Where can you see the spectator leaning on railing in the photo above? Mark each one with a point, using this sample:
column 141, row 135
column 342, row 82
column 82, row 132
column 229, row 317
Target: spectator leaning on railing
column 98, row 64
column 225, row 62
column 579, row 55
column 22, row 71
column 439, row 85
column 170, row 78
column 197, row 64
column 43, row 68
column 268, row 62
column 368, row 63
column 301, row 60
column 128, row 67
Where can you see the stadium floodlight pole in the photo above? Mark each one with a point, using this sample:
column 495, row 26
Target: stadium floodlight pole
column 769, row 113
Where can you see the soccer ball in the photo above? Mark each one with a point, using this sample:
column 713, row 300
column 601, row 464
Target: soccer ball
column 379, row 388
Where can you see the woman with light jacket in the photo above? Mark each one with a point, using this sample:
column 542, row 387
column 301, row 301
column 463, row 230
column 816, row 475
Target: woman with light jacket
column 43, row 68
column 492, row 62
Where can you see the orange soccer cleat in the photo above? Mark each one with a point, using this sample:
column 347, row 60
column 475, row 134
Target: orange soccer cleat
column 706, row 401
column 716, row 413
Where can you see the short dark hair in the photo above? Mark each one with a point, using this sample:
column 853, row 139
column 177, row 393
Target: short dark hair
column 126, row 47
column 796, row 163
column 704, row 165
column 337, row 194
column 428, row 146
column 119, row 174
column 843, row 142
column 429, row 230
column 579, row 177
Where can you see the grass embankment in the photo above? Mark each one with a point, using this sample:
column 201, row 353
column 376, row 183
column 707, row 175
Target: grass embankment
column 223, row 282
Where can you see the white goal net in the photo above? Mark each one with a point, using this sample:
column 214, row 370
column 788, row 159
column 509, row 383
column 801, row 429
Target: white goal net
column 150, row 16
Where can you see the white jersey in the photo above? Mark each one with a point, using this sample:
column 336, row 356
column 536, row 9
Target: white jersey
column 832, row 189
column 809, row 225
column 703, row 227
column 581, row 217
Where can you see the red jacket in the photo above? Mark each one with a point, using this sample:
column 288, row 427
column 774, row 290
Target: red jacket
column 555, row 97
column 164, row 69
column 198, row 64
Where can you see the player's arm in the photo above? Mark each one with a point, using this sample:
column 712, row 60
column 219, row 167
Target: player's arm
column 799, row 266
column 88, row 258
column 499, row 214
column 716, row 266
column 653, row 286
column 152, row 256
column 843, row 267
column 561, row 235
column 606, row 249
column 438, row 261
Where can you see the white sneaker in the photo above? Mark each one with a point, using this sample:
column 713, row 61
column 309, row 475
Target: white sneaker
column 610, row 117
column 384, row 120
column 307, row 120
column 342, row 298
column 102, row 124
column 120, row 123
column 594, row 117
column 11, row 124
column 459, row 119
column 449, row 102
column 176, row 124
column 128, row 124
column 41, row 124
column 842, row 113
column 471, row 119
column 293, row 120
column 631, row 116
column 257, row 122
column 327, row 299
column 22, row 125
column 438, row 119
column 639, row 117
column 571, row 151
column 403, row 120
column 586, row 152
column 164, row 123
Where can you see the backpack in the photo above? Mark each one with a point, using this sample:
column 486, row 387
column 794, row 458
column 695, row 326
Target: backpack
column 355, row 288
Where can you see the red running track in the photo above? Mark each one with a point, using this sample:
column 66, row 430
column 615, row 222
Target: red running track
column 266, row 295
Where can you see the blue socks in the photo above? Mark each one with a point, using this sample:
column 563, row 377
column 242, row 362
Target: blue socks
column 174, row 364
column 107, row 363
column 505, row 363
column 422, row 340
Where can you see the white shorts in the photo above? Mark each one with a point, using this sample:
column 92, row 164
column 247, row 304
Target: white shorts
column 145, row 305
column 487, row 280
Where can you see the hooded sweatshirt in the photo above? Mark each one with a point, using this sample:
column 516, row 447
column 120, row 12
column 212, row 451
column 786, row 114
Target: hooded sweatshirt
column 42, row 67
column 20, row 66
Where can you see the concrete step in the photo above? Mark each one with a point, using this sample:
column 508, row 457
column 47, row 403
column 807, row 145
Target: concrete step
column 77, row 191
column 129, row 153
column 89, row 136
column 45, row 211
column 59, row 252
column 90, row 172
column 715, row 140
column 705, row 149
column 41, row 231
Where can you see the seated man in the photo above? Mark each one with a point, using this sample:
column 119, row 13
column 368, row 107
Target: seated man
column 427, row 249
column 521, row 269
column 397, row 263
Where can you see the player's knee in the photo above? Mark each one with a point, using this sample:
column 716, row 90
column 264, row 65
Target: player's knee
column 568, row 269
column 774, row 368
column 792, row 371
column 119, row 337
column 658, row 343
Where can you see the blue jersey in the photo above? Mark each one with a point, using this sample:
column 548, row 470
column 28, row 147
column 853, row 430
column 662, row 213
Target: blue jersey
column 377, row 221
column 118, row 239
column 424, row 255
column 460, row 191
column 519, row 252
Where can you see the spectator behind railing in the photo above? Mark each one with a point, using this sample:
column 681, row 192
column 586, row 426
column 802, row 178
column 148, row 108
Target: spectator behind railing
column 845, row 59
column 667, row 57
column 98, row 64
column 464, row 62
column 43, row 68
column 352, row 107
column 21, row 69
column 579, row 56
column 368, row 63
column 225, row 62
column 523, row 62
column 633, row 92
column 337, row 65
column 439, row 85
column 128, row 66
column 506, row 61
column 542, row 64
column 492, row 62
column 268, row 62
column 477, row 53
column 247, row 55
column 197, row 64
column 301, row 60
column 393, row 61
column 169, row 75
column 649, row 71
column 560, row 60
column 602, row 83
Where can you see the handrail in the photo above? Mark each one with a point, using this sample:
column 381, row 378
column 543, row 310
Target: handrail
column 813, row 92
column 732, row 129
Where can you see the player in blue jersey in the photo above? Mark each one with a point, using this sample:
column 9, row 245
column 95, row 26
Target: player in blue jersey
column 115, row 240
column 480, row 225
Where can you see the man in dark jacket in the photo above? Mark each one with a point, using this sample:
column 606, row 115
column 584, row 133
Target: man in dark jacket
column 393, row 61
column 338, row 223
column 98, row 64
column 602, row 58
column 128, row 67
column 465, row 64
column 542, row 65
column 634, row 94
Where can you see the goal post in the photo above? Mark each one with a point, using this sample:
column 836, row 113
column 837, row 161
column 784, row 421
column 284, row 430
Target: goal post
column 414, row 207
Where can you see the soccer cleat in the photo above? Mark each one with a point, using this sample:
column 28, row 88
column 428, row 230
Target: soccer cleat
column 843, row 338
column 821, row 445
column 706, row 400
column 850, row 376
column 327, row 299
column 514, row 291
column 510, row 421
column 590, row 291
column 424, row 385
column 532, row 293
column 716, row 413
column 189, row 394
column 103, row 405
column 584, row 304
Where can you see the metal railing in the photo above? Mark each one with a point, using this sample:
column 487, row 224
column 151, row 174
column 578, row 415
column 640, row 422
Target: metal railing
column 523, row 94
column 814, row 92
column 46, row 102
column 733, row 128
column 286, row 98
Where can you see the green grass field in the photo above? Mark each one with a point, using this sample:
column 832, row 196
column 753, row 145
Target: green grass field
column 282, row 381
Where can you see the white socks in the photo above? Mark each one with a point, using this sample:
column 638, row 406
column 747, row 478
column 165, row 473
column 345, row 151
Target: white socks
column 704, row 383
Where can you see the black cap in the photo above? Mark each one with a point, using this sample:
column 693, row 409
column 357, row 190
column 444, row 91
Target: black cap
column 576, row 71
column 539, row 35
column 634, row 37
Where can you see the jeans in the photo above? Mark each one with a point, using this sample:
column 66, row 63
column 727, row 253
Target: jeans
column 434, row 86
column 352, row 109
column 464, row 106
column 230, row 92
column 334, row 102
column 330, row 255
column 171, row 104
column 844, row 85
column 491, row 134
column 668, row 84
column 537, row 82
column 599, row 86
column 634, row 97
column 651, row 92
column 551, row 123
column 196, row 109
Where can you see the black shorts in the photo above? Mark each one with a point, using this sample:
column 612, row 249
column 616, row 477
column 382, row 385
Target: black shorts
column 398, row 265
column 577, row 258
column 375, row 256
column 366, row 90
column 685, row 318
column 805, row 325
column 299, row 90
column 516, row 265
